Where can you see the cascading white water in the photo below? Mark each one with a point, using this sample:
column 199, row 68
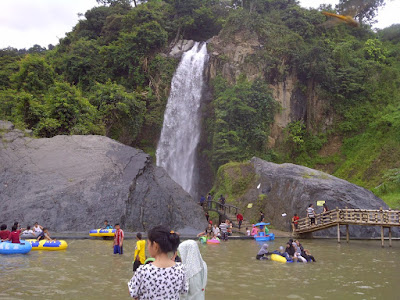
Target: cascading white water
column 176, row 151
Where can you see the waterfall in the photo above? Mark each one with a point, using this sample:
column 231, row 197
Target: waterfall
column 180, row 134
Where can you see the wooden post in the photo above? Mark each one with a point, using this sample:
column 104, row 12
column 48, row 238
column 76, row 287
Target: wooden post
column 390, row 236
column 338, row 233
column 347, row 233
column 382, row 238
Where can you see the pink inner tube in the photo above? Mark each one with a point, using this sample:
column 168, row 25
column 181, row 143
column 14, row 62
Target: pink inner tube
column 212, row 241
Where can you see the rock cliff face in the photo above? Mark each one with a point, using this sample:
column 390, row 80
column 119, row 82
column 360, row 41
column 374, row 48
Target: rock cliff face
column 73, row 183
column 289, row 189
column 241, row 53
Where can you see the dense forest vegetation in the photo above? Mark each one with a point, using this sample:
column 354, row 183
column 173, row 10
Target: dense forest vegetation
column 111, row 76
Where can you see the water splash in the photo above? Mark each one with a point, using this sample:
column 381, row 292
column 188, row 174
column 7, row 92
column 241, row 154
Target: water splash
column 176, row 151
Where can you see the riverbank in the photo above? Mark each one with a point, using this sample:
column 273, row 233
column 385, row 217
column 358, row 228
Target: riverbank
column 132, row 235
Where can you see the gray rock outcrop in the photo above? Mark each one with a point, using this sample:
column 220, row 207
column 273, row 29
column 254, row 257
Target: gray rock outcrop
column 180, row 47
column 73, row 183
column 288, row 188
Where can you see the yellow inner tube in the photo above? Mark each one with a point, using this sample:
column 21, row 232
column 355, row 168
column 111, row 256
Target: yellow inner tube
column 47, row 245
column 278, row 258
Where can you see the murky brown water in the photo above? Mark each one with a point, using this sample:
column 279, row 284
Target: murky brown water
column 89, row 270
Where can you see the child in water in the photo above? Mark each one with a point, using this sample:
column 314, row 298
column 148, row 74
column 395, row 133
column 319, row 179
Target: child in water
column 118, row 240
column 139, row 256
column 262, row 254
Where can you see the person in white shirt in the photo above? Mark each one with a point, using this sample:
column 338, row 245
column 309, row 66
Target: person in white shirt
column 216, row 231
column 37, row 228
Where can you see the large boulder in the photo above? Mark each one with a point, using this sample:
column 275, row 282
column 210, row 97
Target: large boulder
column 280, row 189
column 73, row 183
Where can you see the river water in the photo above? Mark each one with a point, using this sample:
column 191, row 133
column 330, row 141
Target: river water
column 89, row 270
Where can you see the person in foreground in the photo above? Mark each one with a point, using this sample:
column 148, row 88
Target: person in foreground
column 163, row 278
column 196, row 270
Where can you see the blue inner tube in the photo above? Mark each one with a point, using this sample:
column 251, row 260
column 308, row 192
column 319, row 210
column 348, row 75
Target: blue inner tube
column 15, row 248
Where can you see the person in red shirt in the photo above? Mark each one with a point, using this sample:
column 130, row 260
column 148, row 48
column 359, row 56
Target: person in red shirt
column 295, row 222
column 118, row 239
column 4, row 233
column 239, row 218
column 14, row 235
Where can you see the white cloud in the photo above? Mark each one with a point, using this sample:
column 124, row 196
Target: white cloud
column 24, row 23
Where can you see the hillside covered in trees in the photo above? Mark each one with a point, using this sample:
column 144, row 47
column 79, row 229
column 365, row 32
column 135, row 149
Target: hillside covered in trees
column 111, row 76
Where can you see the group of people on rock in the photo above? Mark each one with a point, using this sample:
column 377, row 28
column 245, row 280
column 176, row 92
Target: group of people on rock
column 168, row 275
column 223, row 231
column 294, row 251
column 37, row 231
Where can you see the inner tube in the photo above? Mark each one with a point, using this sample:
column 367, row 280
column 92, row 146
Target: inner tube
column 28, row 236
column 102, row 232
column 278, row 258
column 203, row 239
column 15, row 248
column 48, row 245
column 213, row 241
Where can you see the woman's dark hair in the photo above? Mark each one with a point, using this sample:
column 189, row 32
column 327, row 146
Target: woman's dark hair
column 3, row 227
column 310, row 205
column 16, row 224
column 165, row 238
column 28, row 227
column 139, row 235
column 14, row 228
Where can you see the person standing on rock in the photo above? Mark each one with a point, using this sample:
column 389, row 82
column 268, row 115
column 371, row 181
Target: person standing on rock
column 311, row 214
column 118, row 240
column 202, row 200
column 209, row 199
column 239, row 218
column 221, row 202
column 262, row 217
column 224, row 231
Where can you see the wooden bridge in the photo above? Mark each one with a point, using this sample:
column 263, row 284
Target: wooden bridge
column 225, row 211
column 337, row 217
column 222, row 209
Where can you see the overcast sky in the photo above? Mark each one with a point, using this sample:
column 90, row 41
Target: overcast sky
column 24, row 23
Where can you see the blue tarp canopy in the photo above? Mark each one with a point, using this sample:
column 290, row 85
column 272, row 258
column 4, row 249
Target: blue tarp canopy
column 262, row 224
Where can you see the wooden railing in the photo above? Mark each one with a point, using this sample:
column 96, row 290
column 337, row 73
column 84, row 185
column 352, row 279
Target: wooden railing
column 365, row 217
column 221, row 208
column 386, row 218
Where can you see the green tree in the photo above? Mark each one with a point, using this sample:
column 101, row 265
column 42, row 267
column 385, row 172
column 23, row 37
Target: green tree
column 121, row 112
column 35, row 75
column 67, row 112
